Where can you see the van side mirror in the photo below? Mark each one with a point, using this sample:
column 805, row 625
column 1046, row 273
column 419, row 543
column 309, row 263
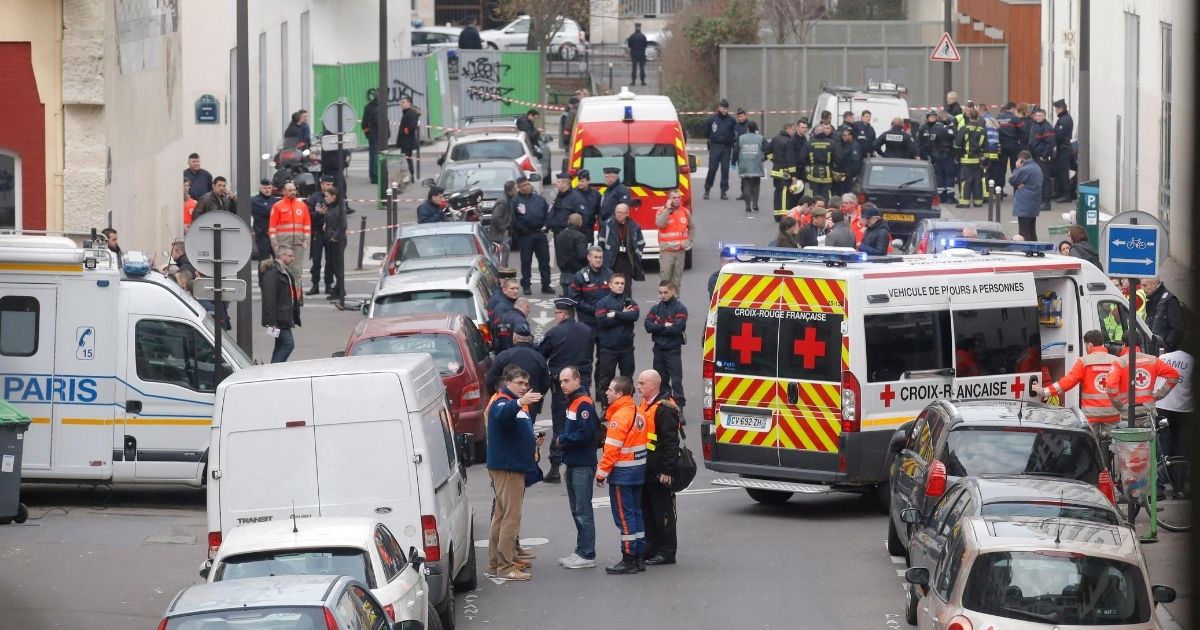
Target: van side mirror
column 897, row 244
column 693, row 163
column 917, row 575
column 206, row 566
column 912, row 516
column 1163, row 594
column 466, row 448
column 415, row 559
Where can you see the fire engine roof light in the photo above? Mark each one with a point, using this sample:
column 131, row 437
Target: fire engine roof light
column 787, row 254
column 988, row 245
column 135, row 263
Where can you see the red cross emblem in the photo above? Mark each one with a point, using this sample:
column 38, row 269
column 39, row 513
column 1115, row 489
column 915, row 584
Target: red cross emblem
column 809, row 348
column 745, row 343
column 1018, row 387
column 887, row 395
column 1141, row 378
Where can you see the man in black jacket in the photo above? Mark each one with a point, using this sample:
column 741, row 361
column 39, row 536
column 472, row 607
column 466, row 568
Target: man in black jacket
column 623, row 243
column 720, row 130
column 1064, row 128
column 667, row 325
column 895, row 142
column 637, row 52
column 469, row 38
column 616, row 314
column 260, row 218
column 529, row 224
column 781, row 150
column 409, row 137
column 370, row 120
column 847, row 160
column 334, row 209
column 591, row 201
column 662, row 460
column 280, row 302
column 567, row 344
column 1164, row 314
column 589, row 284
column 1041, row 145
column 615, row 193
column 877, row 237
column 571, row 251
column 319, row 248
column 430, row 210
column 567, row 201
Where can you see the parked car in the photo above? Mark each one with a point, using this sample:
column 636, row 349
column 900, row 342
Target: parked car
column 498, row 143
column 655, row 40
column 436, row 287
column 1032, row 573
column 903, row 189
column 286, row 601
column 567, row 43
column 459, row 351
column 931, row 236
column 950, row 440
column 430, row 39
column 437, row 240
column 487, row 175
column 998, row 495
column 362, row 548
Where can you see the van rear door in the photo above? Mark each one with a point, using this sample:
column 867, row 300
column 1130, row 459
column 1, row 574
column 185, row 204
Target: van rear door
column 27, row 350
column 268, row 452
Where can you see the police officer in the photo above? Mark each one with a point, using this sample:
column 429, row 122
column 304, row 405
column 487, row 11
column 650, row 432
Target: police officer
column 1041, row 145
column 260, row 217
column 895, row 142
column 1064, row 128
column 615, row 193
column 923, row 141
column 588, row 286
column 865, row 133
column 501, row 302
column 524, row 355
column 847, row 162
column 720, row 129
column 591, row 201
column 1013, row 136
column 849, row 124
column 781, row 152
column 319, row 245
column 567, row 201
column 529, row 223
column 616, row 315
column 568, row 343
column 944, row 163
column 970, row 142
column 667, row 325
column 818, row 163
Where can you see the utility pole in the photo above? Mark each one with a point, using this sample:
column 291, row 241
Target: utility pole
column 947, row 24
column 1083, row 43
column 382, row 131
column 245, row 309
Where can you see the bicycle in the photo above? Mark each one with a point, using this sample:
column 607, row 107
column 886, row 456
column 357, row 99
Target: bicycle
column 1173, row 476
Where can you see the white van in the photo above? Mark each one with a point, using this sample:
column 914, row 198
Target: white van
column 115, row 366
column 357, row 436
column 885, row 101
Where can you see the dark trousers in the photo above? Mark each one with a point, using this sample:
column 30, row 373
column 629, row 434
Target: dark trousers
column 626, row 504
column 995, row 174
column 1062, row 172
column 335, row 266
column 947, row 170
column 1008, row 163
column 607, row 364
column 531, row 244
column 1174, row 439
column 820, row 190
column 779, row 199
column 319, row 250
column 262, row 245
column 638, row 63
column 718, row 156
column 970, row 185
column 669, row 365
column 1045, row 165
column 658, row 513
column 408, row 157
column 372, row 159
column 750, row 188
column 1027, row 228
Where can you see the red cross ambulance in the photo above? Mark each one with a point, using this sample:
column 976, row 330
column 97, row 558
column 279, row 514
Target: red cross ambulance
column 814, row 357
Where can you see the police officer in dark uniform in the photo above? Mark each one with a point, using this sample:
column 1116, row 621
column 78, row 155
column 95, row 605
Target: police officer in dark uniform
column 1012, row 140
column 317, row 251
column 525, row 356
column 847, row 162
column 865, row 132
column 943, row 157
column 500, row 303
column 720, row 129
column 895, row 142
column 529, row 224
column 260, row 218
column 1064, row 128
column 567, row 201
column 591, row 201
column 923, row 141
column 568, row 343
column 615, row 193
column 1042, row 139
column 615, row 315
column 818, row 163
column 781, row 150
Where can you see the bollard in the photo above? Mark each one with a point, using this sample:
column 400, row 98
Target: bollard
column 388, row 213
column 362, row 241
column 991, row 206
column 610, row 76
column 999, row 196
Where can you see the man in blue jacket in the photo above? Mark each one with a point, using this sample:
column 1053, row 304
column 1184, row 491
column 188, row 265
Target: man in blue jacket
column 616, row 315
column 511, row 446
column 529, row 224
column 578, row 445
column 667, row 325
column 430, row 210
column 523, row 355
column 1028, row 182
column 721, row 131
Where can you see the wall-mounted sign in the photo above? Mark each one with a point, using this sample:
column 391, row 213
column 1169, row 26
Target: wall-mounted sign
column 208, row 110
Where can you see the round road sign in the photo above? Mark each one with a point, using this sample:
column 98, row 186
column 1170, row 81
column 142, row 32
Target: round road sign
column 236, row 243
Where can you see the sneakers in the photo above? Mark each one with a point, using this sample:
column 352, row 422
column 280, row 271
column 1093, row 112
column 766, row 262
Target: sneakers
column 575, row 561
column 523, row 564
column 525, row 554
column 515, row 576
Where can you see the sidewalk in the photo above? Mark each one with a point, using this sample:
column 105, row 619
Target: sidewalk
column 1169, row 562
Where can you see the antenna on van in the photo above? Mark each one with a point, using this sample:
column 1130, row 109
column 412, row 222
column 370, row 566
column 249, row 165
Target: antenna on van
column 295, row 530
column 1062, row 497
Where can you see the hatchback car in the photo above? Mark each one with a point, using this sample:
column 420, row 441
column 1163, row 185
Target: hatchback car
column 566, row 44
column 999, row 495
column 430, row 39
column 285, row 601
column 1036, row 573
column 438, row 240
column 477, row 145
column 361, row 548
column 487, row 175
column 950, row 440
column 904, row 190
column 932, row 236
column 459, row 351
column 436, row 288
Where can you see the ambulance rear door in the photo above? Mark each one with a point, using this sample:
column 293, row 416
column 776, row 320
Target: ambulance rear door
column 997, row 337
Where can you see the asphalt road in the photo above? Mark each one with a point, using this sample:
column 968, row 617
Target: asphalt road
column 95, row 558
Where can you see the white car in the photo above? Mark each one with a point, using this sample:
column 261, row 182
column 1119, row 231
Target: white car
column 361, row 548
column 498, row 144
column 568, row 41
column 655, row 40
column 430, row 39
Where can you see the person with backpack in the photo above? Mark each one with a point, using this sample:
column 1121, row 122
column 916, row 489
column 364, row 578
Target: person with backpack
column 578, row 444
column 662, row 457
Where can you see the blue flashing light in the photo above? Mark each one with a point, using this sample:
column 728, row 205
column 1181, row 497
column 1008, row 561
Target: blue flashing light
column 810, row 255
column 135, row 263
column 987, row 245
column 730, row 250
column 629, row 113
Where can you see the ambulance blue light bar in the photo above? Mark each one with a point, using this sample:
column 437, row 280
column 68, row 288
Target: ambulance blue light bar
column 987, row 245
column 135, row 263
column 788, row 254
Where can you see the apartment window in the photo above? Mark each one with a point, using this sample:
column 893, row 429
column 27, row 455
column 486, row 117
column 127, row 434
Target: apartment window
column 10, row 190
column 1129, row 134
column 1164, row 132
column 284, row 92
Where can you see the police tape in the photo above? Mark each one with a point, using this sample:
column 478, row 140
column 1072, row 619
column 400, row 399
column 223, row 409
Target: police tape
column 374, row 229
column 399, row 199
column 483, row 94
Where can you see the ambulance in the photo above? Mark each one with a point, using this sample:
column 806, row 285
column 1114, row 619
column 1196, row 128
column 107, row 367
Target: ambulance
column 641, row 135
column 113, row 362
column 814, row 357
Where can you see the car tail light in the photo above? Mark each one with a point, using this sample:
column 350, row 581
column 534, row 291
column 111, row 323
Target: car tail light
column 935, row 486
column 433, row 545
column 707, row 447
column 862, row 197
column 959, row 623
column 527, row 165
column 391, row 612
column 162, row 625
column 923, row 247
column 330, row 621
column 851, row 393
column 486, row 331
column 937, row 200
column 214, row 543
column 1106, row 486
column 470, row 395
column 709, row 372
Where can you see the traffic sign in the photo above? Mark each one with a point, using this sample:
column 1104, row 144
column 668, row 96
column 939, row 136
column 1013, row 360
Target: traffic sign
column 231, row 290
column 1133, row 245
column 339, row 110
column 235, row 242
column 945, row 50
column 349, row 140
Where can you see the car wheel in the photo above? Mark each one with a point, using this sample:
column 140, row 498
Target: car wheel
column 568, row 52
column 446, row 614
column 687, row 260
column 911, row 599
column 768, row 497
column 22, row 514
column 468, row 579
column 894, row 545
column 433, row 621
column 652, row 52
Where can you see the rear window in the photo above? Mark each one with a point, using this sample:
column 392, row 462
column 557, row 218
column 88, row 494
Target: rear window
column 487, row 150
column 894, row 176
column 997, row 341
column 745, row 342
column 1051, row 510
column 906, row 342
column 444, row 348
column 352, row 562
column 437, row 245
column 1057, row 587
column 1021, row 450
column 487, row 178
column 437, row 301
column 284, row 618
column 652, row 165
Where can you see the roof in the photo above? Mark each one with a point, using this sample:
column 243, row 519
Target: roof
column 411, row 323
column 1025, row 488
column 322, row 531
column 449, row 30
column 923, row 265
column 958, row 224
column 883, row 161
column 408, row 230
column 450, row 278
column 1025, row 533
column 283, row 590
column 1014, row 412
column 612, row 108
column 407, row 365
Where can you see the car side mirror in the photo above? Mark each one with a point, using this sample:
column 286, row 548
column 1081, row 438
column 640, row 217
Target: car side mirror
column 415, row 559
column 466, row 448
column 693, row 163
column 534, row 177
column 428, row 181
column 918, row 576
column 206, row 567
column 1163, row 594
column 339, row 354
column 912, row 516
column 366, row 308
column 897, row 243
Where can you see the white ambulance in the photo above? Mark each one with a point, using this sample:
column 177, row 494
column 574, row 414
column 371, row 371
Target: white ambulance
column 813, row 358
column 115, row 366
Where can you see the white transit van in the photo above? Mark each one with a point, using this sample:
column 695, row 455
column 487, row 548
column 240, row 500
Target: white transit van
column 356, row 436
column 115, row 366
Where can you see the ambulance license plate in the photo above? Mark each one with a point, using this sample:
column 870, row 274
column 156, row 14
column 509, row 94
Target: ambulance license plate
column 744, row 422
column 899, row 216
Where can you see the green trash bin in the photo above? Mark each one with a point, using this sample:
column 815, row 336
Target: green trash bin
column 13, row 425
column 1135, row 458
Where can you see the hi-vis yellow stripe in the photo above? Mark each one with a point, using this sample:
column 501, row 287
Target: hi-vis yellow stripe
column 49, row 267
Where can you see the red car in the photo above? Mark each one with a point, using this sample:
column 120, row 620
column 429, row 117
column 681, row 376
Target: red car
column 458, row 350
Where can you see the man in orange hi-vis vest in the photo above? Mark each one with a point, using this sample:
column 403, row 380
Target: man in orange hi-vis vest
column 623, row 466
column 1153, row 379
column 1089, row 373
column 291, row 226
column 675, row 234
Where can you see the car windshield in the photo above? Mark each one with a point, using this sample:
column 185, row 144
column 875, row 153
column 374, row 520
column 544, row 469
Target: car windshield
column 892, row 175
column 650, row 165
column 1057, row 587
column 487, row 177
column 436, row 301
column 1021, row 450
column 443, row 347
column 1051, row 510
column 336, row 561
column 487, row 150
column 282, row 618
column 437, row 245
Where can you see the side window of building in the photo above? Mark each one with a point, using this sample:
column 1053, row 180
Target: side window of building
column 20, row 317
column 175, row 353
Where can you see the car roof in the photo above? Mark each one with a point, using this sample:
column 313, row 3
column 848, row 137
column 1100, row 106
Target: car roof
column 322, row 531
column 443, row 227
column 957, row 224
column 447, row 30
column 488, row 133
column 408, row 366
column 1027, row 533
column 448, row 279
column 282, row 590
column 882, row 161
column 1026, row 488
column 1011, row 412
column 467, row 164
column 442, row 323
column 467, row 261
